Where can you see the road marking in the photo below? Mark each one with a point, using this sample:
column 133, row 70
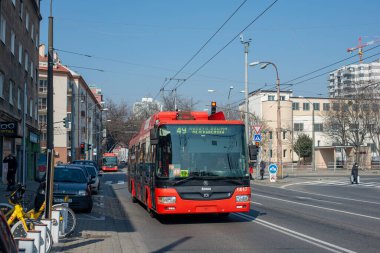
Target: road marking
column 90, row 217
column 108, row 182
column 303, row 237
column 308, row 198
column 334, row 182
column 256, row 203
column 120, row 182
column 320, row 207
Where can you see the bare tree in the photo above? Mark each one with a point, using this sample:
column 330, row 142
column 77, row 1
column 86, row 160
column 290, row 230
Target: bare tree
column 120, row 125
column 348, row 121
column 183, row 104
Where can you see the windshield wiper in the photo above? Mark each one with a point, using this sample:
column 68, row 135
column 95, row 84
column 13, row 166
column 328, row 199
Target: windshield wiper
column 185, row 180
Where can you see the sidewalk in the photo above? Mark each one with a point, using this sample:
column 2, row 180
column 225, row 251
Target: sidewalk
column 298, row 175
column 30, row 193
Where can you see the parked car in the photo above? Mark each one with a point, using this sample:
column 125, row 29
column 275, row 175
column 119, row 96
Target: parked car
column 94, row 177
column 86, row 162
column 82, row 167
column 71, row 185
column 7, row 243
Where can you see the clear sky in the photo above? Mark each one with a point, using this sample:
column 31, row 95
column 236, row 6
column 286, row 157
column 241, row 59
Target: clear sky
column 140, row 43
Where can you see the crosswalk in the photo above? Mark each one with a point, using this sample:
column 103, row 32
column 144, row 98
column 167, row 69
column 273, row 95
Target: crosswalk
column 342, row 182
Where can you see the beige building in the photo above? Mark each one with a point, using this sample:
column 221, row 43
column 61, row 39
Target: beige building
column 75, row 102
column 298, row 114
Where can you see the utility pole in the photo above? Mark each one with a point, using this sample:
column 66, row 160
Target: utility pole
column 313, row 147
column 246, row 120
column 50, row 120
column 279, row 142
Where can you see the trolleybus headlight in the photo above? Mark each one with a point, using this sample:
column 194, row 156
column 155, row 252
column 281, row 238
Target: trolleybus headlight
column 82, row 193
column 242, row 198
column 167, row 200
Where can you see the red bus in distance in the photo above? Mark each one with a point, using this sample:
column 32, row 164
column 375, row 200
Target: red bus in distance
column 190, row 163
column 109, row 162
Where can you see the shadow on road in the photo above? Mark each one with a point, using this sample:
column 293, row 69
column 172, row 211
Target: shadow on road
column 172, row 245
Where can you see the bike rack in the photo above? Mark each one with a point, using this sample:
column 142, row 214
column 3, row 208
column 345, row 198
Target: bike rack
column 42, row 228
column 55, row 225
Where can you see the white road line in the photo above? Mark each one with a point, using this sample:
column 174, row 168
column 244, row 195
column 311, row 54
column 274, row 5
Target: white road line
column 90, row 217
column 120, row 182
column 311, row 240
column 333, row 202
column 256, row 203
column 320, row 207
column 335, row 197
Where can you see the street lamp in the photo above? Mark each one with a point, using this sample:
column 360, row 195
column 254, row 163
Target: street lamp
column 228, row 99
column 264, row 64
column 313, row 136
column 87, row 126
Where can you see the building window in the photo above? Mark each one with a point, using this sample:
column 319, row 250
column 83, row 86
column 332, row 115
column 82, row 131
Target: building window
column 31, row 108
column 271, row 153
column 306, row 106
column 32, row 32
column 316, row 106
column 318, row 127
column 42, row 103
column 21, row 11
column 326, row 106
column 20, row 53
column 37, row 39
column 35, row 112
column 270, row 135
column 283, row 135
column 26, row 61
column 282, row 98
column 19, row 98
column 284, row 151
column 42, row 87
column 42, row 120
column 13, row 37
column 296, row 106
column 3, row 27
column 27, row 21
column 43, row 136
column 270, row 98
column 1, row 84
column 336, row 107
column 11, row 85
column 298, row 127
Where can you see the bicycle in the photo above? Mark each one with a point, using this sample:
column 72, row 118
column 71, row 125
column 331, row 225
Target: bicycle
column 66, row 213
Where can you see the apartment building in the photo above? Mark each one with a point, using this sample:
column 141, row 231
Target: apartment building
column 19, row 39
column 349, row 80
column 74, row 101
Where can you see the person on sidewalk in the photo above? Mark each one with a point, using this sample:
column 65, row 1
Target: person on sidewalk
column 355, row 173
column 262, row 169
column 251, row 171
column 12, row 168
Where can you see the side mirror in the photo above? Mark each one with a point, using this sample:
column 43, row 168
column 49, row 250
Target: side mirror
column 153, row 136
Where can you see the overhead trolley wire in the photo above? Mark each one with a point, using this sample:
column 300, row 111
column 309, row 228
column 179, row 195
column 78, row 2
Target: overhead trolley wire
column 237, row 35
column 167, row 80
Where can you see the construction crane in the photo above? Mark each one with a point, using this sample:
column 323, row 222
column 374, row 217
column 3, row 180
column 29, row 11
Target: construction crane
column 360, row 46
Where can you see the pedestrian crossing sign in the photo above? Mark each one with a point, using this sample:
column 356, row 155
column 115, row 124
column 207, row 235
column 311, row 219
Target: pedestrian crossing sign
column 257, row 138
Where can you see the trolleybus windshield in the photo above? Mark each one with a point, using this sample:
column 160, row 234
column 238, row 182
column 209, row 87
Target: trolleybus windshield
column 109, row 160
column 187, row 151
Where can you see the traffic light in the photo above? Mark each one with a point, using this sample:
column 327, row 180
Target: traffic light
column 66, row 122
column 213, row 107
column 253, row 151
column 89, row 146
column 82, row 151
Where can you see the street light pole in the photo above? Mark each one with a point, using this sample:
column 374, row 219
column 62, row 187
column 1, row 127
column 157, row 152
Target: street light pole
column 50, row 120
column 229, row 106
column 246, row 121
column 313, row 146
column 278, row 129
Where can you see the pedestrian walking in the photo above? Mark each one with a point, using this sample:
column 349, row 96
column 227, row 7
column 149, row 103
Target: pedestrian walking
column 12, row 168
column 355, row 173
column 262, row 169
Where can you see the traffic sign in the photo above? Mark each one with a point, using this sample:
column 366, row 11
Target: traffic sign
column 272, row 168
column 257, row 138
column 257, row 129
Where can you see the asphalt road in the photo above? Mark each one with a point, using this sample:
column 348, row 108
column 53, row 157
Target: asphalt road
column 328, row 215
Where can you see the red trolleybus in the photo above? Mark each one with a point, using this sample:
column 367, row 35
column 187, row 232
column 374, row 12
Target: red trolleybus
column 109, row 162
column 190, row 163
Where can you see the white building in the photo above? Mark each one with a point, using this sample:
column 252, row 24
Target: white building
column 348, row 80
column 146, row 107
